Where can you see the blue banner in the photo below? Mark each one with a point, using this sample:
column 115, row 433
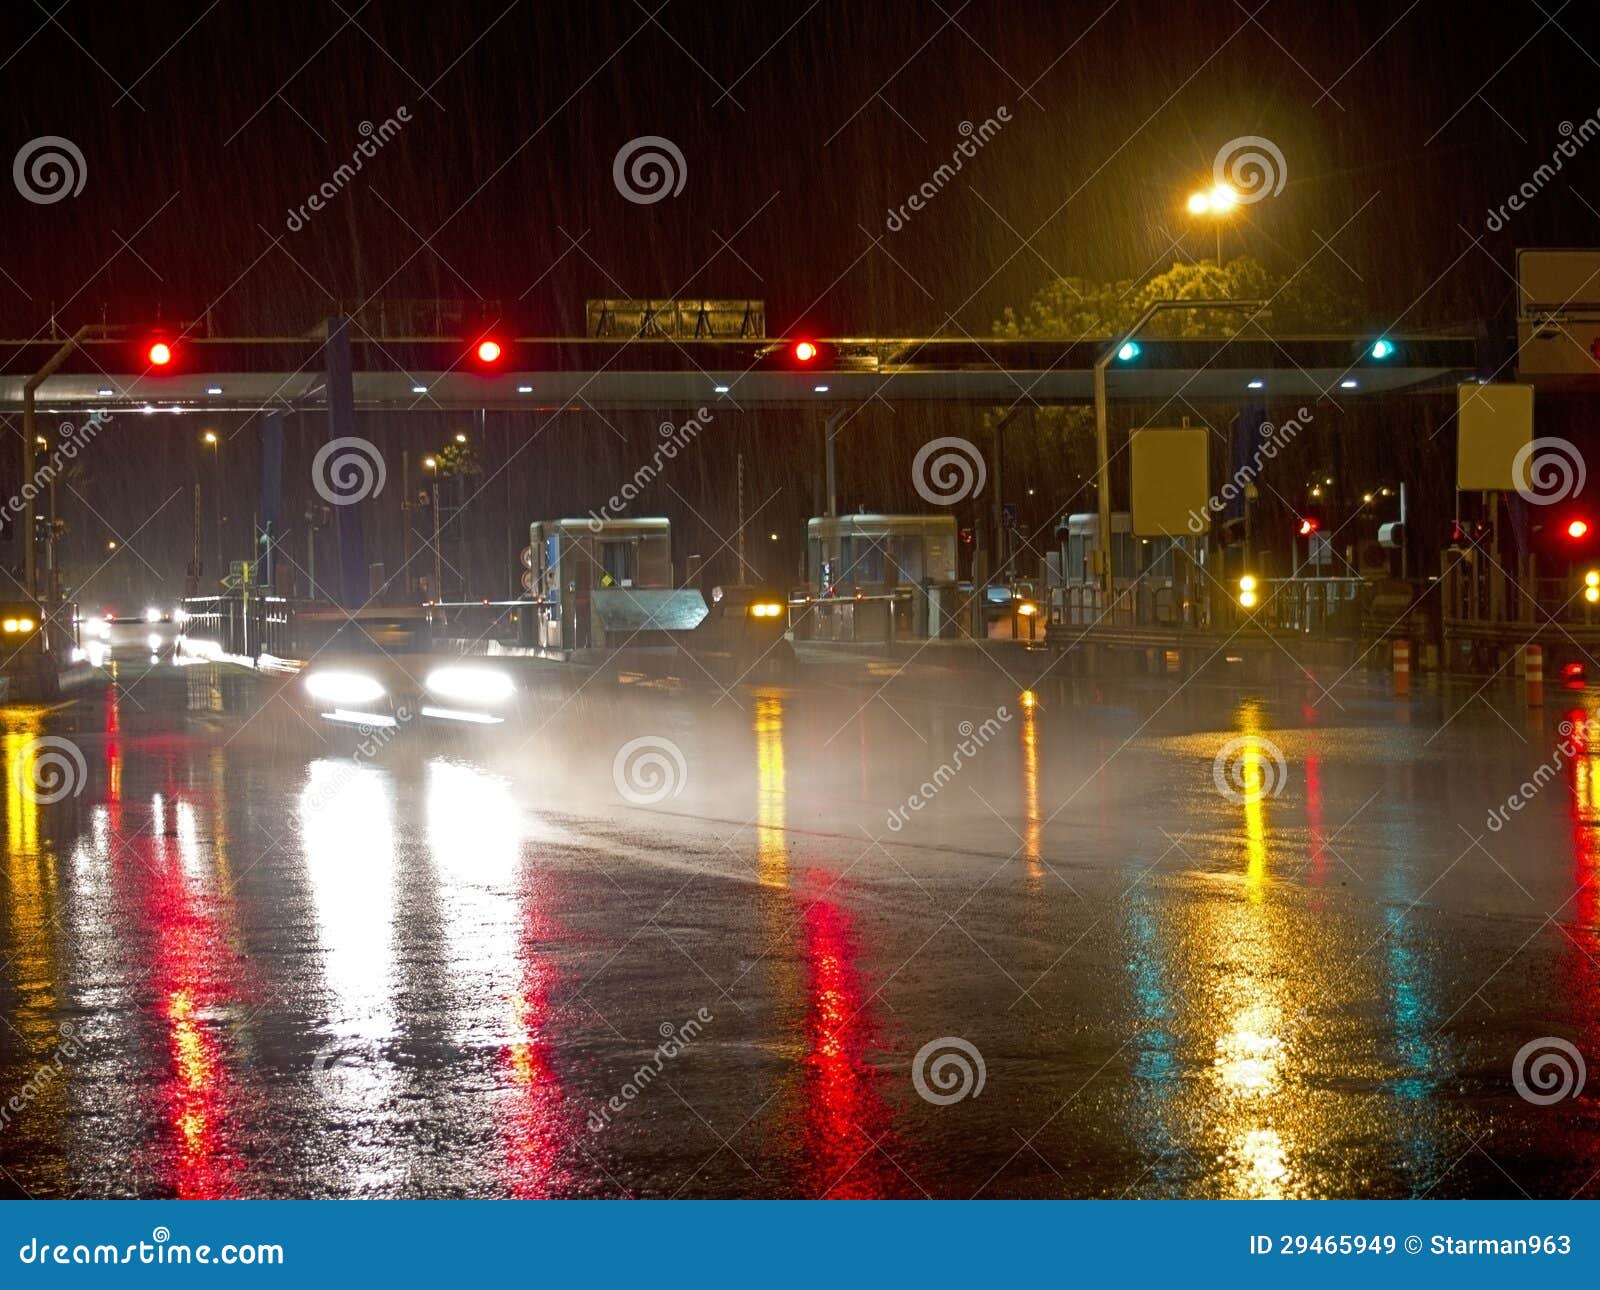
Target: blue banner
column 800, row 1243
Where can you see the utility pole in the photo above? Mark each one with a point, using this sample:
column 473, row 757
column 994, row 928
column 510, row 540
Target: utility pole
column 742, row 564
column 407, row 504
column 438, row 555
column 30, row 432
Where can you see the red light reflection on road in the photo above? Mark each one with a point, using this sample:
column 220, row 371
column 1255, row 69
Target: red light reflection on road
column 536, row 1124
column 845, row 1115
column 190, row 973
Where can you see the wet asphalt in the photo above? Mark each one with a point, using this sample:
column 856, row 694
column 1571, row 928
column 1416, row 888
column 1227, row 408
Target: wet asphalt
column 850, row 936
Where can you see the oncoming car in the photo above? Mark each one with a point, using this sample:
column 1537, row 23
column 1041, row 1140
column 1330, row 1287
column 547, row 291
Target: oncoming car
column 377, row 671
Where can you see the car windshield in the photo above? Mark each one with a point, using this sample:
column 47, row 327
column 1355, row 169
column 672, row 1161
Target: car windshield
column 371, row 636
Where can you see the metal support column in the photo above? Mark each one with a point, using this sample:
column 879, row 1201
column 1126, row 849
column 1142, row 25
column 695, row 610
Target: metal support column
column 830, row 429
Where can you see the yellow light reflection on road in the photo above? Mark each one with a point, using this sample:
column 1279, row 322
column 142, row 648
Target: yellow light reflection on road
column 1032, row 821
column 772, row 853
column 21, row 758
column 1256, row 789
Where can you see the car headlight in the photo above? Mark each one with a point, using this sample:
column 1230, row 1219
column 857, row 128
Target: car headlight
column 343, row 687
column 470, row 684
column 152, row 615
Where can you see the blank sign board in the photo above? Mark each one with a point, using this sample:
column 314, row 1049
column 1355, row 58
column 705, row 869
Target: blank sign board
column 1556, row 283
column 1171, row 485
column 1493, row 424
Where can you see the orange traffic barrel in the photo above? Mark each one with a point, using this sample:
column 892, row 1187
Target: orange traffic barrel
column 1402, row 667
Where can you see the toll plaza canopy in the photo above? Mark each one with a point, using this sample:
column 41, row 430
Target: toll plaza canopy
column 550, row 374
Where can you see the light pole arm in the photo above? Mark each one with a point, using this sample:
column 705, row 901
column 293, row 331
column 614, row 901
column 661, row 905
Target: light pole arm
column 1102, row 446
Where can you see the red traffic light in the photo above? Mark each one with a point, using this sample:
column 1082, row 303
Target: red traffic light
column 1577, row 529
column 159, row 354
column 805, row 351
column 1308, row 526
column 489, row 350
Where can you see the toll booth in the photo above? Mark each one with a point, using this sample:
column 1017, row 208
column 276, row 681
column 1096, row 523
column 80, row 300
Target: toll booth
column 1152, row 569
column 880, row 578
column 575, row 563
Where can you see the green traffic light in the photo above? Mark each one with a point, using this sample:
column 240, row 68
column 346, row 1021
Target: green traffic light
column 1128, row 352
column 1382, row 348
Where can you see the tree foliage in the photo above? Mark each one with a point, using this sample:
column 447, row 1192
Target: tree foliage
column 1077, row 309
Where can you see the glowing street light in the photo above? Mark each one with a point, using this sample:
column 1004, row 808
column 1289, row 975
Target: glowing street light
column 1218, row 202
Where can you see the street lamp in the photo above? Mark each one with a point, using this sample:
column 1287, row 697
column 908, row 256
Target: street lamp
column 1218, row 202
column 460, row 437
column 212, row 441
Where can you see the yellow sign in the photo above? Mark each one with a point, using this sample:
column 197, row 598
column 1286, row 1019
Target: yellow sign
column 1493, row 424
column 1171, row 483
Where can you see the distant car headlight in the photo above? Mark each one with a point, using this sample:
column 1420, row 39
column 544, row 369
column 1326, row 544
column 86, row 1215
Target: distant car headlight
column 765, row 609
column 152, row 615
column 343, row 687
column 470, row 684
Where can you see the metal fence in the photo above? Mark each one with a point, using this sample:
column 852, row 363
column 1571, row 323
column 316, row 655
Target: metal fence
column 244, row 624
column 1321, row 607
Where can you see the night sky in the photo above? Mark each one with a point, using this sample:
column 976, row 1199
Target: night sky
column 202, row 127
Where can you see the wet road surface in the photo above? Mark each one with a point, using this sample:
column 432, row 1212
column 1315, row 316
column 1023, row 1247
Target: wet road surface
column 1221, row 942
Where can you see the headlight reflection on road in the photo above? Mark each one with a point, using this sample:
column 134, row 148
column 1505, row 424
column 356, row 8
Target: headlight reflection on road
column 347, row 828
